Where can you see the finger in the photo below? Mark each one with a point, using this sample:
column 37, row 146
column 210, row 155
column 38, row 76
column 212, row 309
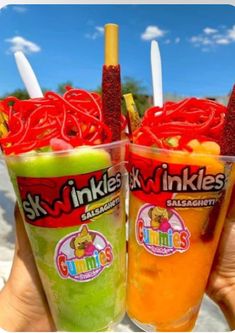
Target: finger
column 23, row 248
column 225, row 257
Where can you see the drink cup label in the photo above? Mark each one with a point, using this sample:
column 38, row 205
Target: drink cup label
column 161, row 231
column 82, row 256
column 69, row 200
column 75, row 201
column 167, row 190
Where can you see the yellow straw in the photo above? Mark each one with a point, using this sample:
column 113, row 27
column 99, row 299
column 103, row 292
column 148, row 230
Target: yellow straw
column 133, row 115
column 3, row 124
column 111, row 44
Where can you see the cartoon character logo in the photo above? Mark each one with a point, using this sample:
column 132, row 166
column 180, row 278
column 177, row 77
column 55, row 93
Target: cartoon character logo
column 82, row 243
column 83, row 255
column 159, row 218
column 161, row 231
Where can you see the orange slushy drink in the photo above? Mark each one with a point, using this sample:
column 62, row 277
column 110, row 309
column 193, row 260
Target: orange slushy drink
column 180, row 188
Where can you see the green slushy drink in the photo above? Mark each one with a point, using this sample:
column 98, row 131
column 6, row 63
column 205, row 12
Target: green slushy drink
column 73, row 208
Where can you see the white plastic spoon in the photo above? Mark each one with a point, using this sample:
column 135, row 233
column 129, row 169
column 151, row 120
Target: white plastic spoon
column 27, row 75
column 156, row 67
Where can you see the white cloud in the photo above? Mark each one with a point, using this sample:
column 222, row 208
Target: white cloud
column 200, row 40
column 223, row 41
column 206, row 41
column 211, row 37
column 172, row 41
column 152, row 32
column 177, row 40
column 195, row 39
column 19, row 9
column 99, row 31
column 231, row 33
column 167, row 41
column 209, row 31
column 18, row 43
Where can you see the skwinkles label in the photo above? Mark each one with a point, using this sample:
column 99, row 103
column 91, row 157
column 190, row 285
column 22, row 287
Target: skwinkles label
column 69, row 200
column 167, row 191
column 161, row 231
column 83, row 255
column 163, row 183
column 187, row 180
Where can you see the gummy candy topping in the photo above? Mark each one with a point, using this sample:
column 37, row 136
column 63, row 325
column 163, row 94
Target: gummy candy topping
column 55, row 121
column 177, row 125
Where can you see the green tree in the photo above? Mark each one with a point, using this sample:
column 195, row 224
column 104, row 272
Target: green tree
column 21, row 93
column 135, row 87
column 18, row 93
column 141, row 98
column 61, row 89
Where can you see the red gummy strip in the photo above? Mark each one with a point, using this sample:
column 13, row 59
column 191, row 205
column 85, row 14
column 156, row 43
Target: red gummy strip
column 75, row 119
column 188, row 119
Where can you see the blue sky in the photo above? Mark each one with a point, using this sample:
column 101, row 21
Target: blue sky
column 65, row 42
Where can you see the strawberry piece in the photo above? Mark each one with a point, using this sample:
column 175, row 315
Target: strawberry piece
column 59, row 144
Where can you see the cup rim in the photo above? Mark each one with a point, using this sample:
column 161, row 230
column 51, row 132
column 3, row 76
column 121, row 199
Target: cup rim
column 150, row 149
column 110, row 145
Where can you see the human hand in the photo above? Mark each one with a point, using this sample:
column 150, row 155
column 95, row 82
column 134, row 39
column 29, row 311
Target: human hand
column 22, row 300
column 221, row 284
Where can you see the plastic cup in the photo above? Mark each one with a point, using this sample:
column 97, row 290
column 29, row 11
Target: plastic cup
column 178, row 204
column 73, row 206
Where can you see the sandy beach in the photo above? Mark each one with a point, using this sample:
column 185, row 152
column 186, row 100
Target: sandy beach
column 210, row 317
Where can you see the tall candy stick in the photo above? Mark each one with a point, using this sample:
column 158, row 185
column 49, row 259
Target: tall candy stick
column 27, row 75
column 227, row 143
column 111, row 83
column 228, row 136
column 156, row 67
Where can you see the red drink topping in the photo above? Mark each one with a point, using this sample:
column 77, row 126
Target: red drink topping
column 61, row 122
column 176, row 124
